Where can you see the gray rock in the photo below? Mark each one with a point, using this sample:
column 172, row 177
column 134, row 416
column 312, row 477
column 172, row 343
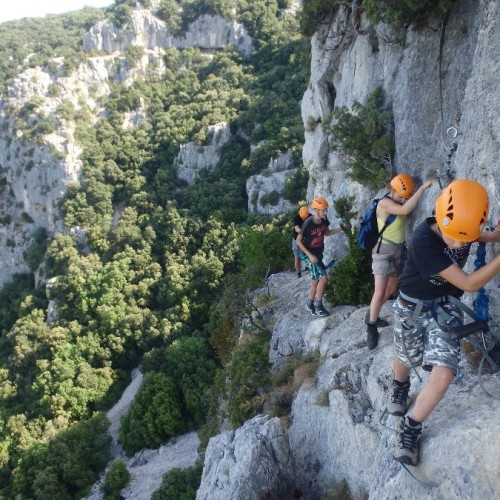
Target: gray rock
column 337, row 432
column 250, row 463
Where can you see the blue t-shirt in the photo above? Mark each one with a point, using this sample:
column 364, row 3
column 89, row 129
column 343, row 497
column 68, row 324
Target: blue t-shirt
column 427, row 256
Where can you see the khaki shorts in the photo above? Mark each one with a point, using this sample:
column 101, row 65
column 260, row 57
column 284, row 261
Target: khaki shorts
column 295, row 248
column 389, row 260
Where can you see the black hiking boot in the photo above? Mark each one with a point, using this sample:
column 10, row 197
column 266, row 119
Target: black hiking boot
column 310, row 307
column 398, row 400
column 320, row 310
column 406, row 450
column 372, row 336
column 380, row 322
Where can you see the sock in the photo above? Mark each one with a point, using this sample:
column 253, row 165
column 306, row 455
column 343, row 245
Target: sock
column 401, row 384
column 412, row 422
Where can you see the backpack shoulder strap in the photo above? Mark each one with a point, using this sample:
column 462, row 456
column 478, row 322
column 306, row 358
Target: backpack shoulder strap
column 389, row 220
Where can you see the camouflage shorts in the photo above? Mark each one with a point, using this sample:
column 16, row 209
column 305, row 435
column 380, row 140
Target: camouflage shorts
column 422, row 341
column 317, row 271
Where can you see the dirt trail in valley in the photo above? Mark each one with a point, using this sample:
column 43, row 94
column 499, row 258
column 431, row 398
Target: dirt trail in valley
column 146, row 467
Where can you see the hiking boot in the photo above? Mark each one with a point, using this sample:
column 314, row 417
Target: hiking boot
column 380, row 322
column 321, row 311
column 299, row 275
column 398, row 400
column 310, row 307
column 406, row 449
column 372, row 336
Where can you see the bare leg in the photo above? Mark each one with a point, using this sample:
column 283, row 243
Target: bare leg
column 321, row 288
column 378, row 298
column 432, row 393
column 312, row 291
column 401, row 371
column 297, row 264
column 391, row 287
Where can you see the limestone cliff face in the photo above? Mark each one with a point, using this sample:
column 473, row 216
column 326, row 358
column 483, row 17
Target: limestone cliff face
column 146, row 30
column 193, row 158
column 345, row 67
column 265, row 190
column 337, row 431
column 35, row 169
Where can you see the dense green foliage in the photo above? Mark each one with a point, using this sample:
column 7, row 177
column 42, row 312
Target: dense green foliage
column 116, row 479
column 316, row 13
column 405, row 13
column 154, row 415
column 247, row 372
column 366, row 136
column 55, row 36
column 179, row 484
column 148, row 273
column 400, row 14
column 348, row 283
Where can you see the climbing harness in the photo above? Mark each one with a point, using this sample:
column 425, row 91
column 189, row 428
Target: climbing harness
column 448, row 135
column 481, row 309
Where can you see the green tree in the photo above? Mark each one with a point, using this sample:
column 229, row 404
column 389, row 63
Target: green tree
column 155, row 415
column 116, row 479
column 181, row 484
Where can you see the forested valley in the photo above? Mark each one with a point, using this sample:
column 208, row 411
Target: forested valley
column 162, row 276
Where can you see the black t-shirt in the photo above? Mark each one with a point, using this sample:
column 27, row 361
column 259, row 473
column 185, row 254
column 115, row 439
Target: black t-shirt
column 313, row 235
column 297, row 221
column 428, row 255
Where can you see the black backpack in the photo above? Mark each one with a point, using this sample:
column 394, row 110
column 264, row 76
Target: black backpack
column 368, row 234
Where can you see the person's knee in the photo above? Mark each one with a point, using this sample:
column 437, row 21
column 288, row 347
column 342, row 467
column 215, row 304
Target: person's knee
column 379, row 294
column 442, row 377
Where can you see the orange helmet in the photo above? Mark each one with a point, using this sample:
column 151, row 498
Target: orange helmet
column 462, row 210
column 304, row 212
column 319, row 203
column 403, row 185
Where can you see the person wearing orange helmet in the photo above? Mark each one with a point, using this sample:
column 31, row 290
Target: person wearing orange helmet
column 428, row 306
column 311, row 243
column 298, row 220
column 387, row 258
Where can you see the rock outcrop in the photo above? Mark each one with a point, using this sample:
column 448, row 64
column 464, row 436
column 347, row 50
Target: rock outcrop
column 349, row 63
column 146, row 30
column 258, row 450
column 193, row 158
column 265, row 190
column 337, row 431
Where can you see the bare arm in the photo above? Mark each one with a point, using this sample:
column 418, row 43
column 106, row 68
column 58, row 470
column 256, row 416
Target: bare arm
column 300, row 244
column 329, row 232
column 386, row 206
column 490, row 236
column 473, row 281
